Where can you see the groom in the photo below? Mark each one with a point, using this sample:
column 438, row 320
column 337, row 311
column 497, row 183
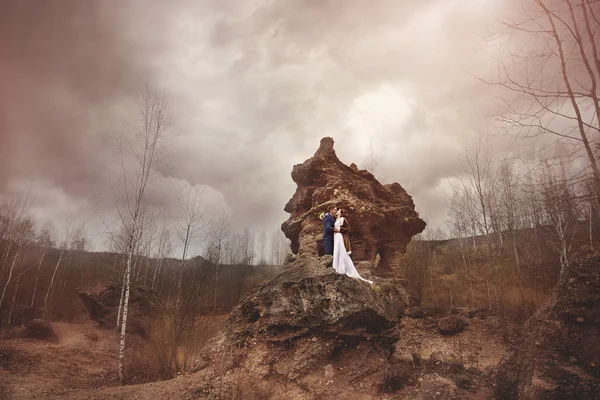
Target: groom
column 328, row 229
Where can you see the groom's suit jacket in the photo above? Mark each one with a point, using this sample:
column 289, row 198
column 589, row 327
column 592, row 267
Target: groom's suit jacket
column 328, row 227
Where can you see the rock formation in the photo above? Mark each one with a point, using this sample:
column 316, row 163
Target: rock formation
column 102, row 304
column 312, row 299
column 382, row 217
column 558, row 356
column 300, row 328
column 312, row 333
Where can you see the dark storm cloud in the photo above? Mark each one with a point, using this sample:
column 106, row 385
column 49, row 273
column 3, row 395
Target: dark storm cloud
column 253, row 86
column 63, row 66
column 267, row 81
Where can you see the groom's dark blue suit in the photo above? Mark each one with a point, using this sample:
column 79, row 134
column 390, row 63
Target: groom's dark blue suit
column 328, row 228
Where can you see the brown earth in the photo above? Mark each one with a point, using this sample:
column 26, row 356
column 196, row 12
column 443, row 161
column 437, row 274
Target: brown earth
column 62, row 374
column 308, row 334
column 33, row 368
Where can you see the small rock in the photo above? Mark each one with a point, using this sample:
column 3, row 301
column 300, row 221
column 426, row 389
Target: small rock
column 451, row 325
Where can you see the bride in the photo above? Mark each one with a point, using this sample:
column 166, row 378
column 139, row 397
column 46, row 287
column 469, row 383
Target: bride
column 342, row 263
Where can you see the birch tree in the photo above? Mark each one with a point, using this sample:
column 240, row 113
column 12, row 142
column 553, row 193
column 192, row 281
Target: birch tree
column 189, row 226
column 20, row 234
column 218, row 233
column 138, row 158
column 164, row 248
column 44, row 243
column 262, row 248
column 64, row 245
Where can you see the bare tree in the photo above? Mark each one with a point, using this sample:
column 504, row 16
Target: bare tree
column 15, row 211
column 164, row 248
column 183, row 313
column 15, row 292
column 508, row 185
column 561, row 210
column 44, row 244
column 20, row 234
column 218, row 233
column 247, row 245
column 63, row 248
column 190, row 203
column 558, row 39
column 138, row 161
column 373, row 164
column 480, row 181
column 279, row 247
column 262, row 248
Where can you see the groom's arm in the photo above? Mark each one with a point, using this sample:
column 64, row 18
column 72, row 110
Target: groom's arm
column 330, row 226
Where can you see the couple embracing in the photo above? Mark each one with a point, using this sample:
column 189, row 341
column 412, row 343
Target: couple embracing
column 337, row 243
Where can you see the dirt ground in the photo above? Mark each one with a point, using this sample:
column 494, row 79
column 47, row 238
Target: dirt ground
column 34, row 368
column 79, row 368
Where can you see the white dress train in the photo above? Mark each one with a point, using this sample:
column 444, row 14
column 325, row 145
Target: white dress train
column 342, row 263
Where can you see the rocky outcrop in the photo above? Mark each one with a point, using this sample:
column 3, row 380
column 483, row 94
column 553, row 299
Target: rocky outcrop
column 306, row 329
column 102, row 304
column 558, row 356
column 312, row 299
column 382, row 217
column 312, row 333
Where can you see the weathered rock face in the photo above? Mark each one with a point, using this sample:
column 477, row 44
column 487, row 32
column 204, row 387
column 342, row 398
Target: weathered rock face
column 312, row 333
column 382, row 217
column 102, row 304
column 305, row 329
column 312, row 299
column 559, row 353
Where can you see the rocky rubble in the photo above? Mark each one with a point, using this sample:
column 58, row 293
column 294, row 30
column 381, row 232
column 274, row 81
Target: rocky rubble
column 382, row 217
column 558, row 356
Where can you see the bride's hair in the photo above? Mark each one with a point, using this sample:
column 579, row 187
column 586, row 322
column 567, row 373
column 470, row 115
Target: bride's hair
column 344, row 212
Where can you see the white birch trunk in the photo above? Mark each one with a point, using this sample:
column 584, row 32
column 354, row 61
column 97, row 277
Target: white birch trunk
column 125, row 310
column 37, row 277
column 120, row 311
column 52, row 283
column 10, row 273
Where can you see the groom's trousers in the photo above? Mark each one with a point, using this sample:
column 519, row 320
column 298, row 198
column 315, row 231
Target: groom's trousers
column 328, row 246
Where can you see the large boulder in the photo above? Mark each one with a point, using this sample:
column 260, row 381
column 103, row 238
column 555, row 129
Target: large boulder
column 382, row 217
column 102, row 304
column 558, row 356
column 310, row 298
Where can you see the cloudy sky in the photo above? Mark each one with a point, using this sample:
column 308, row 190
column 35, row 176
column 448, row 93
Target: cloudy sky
column 253, row 86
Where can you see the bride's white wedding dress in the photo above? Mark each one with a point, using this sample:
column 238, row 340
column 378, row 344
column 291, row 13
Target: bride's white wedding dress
column 342, row 263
